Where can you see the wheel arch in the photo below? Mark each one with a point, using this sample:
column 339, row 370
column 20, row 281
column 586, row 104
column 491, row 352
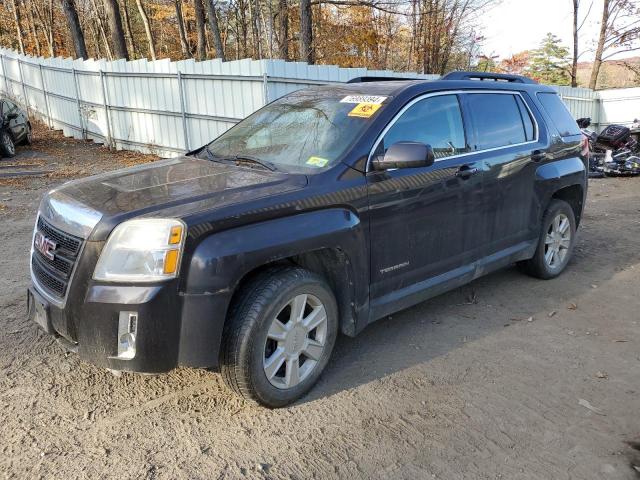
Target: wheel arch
column 574, row 196
column 330, row 243
column 330, row 263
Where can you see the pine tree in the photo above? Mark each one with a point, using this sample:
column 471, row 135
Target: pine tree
column 550, row 63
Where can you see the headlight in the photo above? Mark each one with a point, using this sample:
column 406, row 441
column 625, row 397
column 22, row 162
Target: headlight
column 144, row 250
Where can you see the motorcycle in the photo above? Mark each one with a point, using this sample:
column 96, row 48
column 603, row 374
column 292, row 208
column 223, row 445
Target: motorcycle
column 613, row 152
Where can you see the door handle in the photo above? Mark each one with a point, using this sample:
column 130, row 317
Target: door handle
column 538, row 155
column 465, row 171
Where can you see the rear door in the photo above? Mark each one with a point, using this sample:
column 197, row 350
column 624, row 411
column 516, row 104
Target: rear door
column 506, row 137
column 423, row 220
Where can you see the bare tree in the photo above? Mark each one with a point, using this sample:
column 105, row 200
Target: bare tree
column 98, row 19
column 147, row 29
column 126, row 23
column 577, row 26
column 201, row 48
column 77, row 36
column 283, row 27
column 215, row 28
column 115, row 25
column 16, row 19
column 44, row 12
column 33, row 29
column 619, row 33
column 184, row 45
column 306, row 32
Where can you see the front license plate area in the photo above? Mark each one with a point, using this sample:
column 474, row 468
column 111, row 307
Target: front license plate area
column 38, row 311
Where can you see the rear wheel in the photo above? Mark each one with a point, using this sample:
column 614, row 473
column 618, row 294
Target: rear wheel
column 556, row 242
column 279, row 336
column 6, row 144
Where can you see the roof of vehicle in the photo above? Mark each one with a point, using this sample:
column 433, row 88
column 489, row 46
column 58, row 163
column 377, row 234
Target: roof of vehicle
column 419, row 86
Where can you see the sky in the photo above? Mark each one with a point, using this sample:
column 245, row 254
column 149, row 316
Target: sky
column 517, row 25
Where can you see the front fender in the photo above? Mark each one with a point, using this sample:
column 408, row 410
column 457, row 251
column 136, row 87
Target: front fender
column 221, row 260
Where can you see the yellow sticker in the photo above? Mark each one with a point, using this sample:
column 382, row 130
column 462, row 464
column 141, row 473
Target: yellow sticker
column 364, row 110
column 317, row 161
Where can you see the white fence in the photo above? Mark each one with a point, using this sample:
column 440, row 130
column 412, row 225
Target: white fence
column 168, row 108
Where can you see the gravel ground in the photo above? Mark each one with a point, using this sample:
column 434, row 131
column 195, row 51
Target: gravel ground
column 508, row 377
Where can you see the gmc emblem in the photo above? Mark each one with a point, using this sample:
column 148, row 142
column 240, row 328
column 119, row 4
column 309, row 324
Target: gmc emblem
column 44, row 245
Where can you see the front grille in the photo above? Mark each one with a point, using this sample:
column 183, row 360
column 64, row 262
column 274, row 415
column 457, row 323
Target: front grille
column 54, row 275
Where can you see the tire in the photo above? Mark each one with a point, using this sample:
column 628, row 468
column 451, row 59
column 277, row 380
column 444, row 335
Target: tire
column 28, row 138
column 258, row 355
column 546, row 264
column 7, row 146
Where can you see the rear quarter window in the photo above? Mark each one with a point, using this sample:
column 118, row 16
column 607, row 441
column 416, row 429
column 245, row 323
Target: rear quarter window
column 560, row 115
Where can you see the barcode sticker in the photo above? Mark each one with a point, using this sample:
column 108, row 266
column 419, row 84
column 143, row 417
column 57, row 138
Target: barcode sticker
column 375, row 99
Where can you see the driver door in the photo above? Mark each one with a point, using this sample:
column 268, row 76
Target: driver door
column 427, row 223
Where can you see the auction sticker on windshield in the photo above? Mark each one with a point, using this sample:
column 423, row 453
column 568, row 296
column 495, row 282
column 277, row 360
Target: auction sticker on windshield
column 364, row 110
column 374, row 99
column 317, row 161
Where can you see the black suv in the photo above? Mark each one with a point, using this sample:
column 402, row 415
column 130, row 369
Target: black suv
column 320, row 213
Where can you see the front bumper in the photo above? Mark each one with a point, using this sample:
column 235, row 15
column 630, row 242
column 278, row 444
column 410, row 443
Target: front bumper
column 171, row 329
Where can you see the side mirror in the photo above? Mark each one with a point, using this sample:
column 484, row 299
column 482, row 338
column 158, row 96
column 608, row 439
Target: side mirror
column 12, row 116
column 405, row 155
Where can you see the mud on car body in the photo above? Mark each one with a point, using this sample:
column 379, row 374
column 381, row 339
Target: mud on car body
column 320, row 213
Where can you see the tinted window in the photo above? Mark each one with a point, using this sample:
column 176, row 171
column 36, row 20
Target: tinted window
column 436, row 121
column 559, row 114
column 529, row 128
column 497, row 121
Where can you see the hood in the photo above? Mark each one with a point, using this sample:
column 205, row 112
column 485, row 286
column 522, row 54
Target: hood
column 170, row 183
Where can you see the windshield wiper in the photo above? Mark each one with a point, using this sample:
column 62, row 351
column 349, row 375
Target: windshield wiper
column 243, row 159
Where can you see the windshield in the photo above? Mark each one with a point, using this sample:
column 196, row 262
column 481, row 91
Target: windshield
column 307, row 131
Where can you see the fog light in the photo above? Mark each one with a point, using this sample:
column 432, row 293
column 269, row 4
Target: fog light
column 127, row 330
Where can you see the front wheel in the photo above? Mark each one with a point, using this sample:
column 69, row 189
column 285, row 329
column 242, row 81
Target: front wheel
column 279, row 336
column 6, row 144
column 556, row 242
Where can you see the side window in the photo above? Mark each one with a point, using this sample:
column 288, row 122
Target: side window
column 497, row 121
column 8, row 106
column 436, row 121
column 529, row 128
column 562, row 119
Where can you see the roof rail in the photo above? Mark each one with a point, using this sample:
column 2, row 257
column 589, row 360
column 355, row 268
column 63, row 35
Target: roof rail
column 378, row 79
column 496, row 77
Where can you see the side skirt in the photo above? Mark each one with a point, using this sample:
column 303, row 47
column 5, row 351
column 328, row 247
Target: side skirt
column 431, row 287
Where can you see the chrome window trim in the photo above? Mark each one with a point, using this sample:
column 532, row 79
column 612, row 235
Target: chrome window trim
column 458, row 92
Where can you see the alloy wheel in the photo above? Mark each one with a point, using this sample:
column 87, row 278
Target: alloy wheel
column 557, row 241
column 295, row 341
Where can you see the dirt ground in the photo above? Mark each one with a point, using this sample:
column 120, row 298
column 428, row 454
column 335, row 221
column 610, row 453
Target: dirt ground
column 509, row 377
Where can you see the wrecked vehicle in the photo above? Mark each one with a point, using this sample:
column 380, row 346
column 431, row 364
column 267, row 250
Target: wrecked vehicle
column 320, row 213
column 15, row 128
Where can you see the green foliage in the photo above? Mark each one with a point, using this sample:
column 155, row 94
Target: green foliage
column 550, row 63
